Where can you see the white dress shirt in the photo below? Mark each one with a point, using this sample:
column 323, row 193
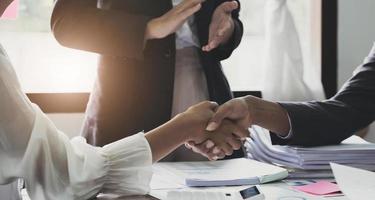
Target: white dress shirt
column 186, row 36
column 190, row 85
column 55, row 167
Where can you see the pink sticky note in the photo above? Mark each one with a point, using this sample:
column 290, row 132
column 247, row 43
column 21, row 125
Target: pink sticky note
column 12, row 11
column 319, row 188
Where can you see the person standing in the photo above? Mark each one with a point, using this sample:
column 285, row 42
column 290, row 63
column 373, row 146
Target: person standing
column 156, row 57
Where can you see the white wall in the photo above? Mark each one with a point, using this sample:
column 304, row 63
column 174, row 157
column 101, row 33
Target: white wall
column 356, row 37
column 70, row 124
column 356, row 34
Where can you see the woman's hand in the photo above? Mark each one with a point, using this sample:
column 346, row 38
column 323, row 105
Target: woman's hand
column 221, row 142
column 238, row 110
column 171, row 21
column 187, row 126
column 222, row 25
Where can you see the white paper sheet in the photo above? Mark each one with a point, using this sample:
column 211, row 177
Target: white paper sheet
column 355, row 183
column 239, row 171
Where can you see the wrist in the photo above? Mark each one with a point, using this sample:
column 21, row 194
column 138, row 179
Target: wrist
column 186, row 126
column 269, row 115
column 253, row 106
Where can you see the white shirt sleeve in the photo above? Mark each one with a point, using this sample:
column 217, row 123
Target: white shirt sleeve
column 290, row 134
column 55, row 167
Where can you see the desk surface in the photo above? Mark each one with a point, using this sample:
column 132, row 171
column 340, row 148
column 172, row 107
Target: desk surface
column 273, row 191
column 148, row 197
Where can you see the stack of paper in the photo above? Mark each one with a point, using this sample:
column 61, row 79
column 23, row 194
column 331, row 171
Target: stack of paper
column 353, row 152
column 220, row 173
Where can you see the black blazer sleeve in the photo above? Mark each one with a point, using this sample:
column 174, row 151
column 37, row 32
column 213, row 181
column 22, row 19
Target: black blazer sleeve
column 331, row 121
column 81, row 25
column 225, row 51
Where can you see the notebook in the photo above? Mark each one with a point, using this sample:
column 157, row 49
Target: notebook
column 233, row 172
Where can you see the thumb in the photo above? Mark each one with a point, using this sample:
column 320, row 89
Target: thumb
column 222, row 112
column 230, row 6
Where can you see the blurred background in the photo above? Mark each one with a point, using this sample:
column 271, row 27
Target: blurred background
column 45, row 68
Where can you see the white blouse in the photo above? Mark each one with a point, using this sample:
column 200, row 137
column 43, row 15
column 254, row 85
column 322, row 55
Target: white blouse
column 55, row 167
column 186, row 36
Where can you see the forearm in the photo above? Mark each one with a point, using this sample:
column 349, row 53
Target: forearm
column 269, row 115
column 117, row 33
column 166, row 138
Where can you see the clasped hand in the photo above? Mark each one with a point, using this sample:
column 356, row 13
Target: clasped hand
column 227, row 129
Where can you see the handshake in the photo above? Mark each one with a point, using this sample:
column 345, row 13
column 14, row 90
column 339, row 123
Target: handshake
column 219, row 130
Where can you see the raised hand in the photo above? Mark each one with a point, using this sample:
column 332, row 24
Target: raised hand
column 173, row 20
column 222, row 25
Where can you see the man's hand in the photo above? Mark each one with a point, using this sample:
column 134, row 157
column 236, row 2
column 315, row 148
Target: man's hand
column 223, row 141
column 222, row 25
column 236, row 110
column 173, row 20
column 239, row 111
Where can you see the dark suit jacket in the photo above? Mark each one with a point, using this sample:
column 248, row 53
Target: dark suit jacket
column 331, row 121
column 134, row 89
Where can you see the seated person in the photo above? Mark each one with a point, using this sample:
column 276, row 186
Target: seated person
column 54, row 167
column 306, row 123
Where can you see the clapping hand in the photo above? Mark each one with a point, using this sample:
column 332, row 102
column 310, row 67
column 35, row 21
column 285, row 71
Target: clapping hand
column 222, row 25
column 173, row 20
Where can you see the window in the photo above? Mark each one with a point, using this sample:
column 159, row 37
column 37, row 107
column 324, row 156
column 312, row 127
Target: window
column 244, row 68
column 44, row 66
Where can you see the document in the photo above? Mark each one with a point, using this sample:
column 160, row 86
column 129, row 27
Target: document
column 310, row 162
column 355, row 183
column 233, row 172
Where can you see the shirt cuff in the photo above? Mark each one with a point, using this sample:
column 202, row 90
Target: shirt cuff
column 290, row 134
column 371, row 56
column 130, row 166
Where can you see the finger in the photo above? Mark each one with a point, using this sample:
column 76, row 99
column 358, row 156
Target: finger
column 185, row 14
column 221, row 113
column 221, row 155
column 234, row 143
column 186, row 5
column 200, row 150
column 215, row 153
column 212, row 156
column 188, row 146
column 226, row 148
column 204, row 147
column 215, row 42
column 208, row 104
column 191, row 143
column 228, row 7
column 240, row 132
